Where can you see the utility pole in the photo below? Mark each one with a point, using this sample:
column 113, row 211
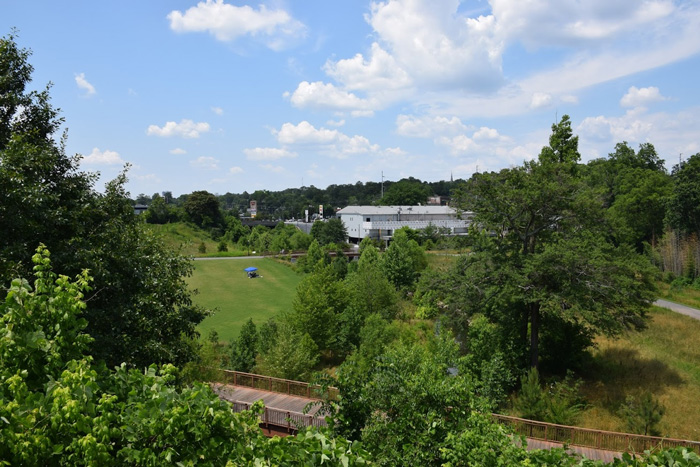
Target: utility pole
column 382, row 185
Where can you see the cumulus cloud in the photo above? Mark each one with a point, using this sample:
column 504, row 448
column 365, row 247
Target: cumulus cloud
column 235, row 170
column 440, row 55
column 178, row 151
column 637, row 97
column 330, row 142
column 205, row 162
column 97, row 157
column 540, row 100
column 326, row 96
column 84, row 84
column 268, row 154
column 437, row 45
column 186, row 129
column 228, row 22
column 379, row 72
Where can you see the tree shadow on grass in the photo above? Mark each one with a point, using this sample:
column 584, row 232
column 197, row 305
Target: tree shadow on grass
column 618, row 372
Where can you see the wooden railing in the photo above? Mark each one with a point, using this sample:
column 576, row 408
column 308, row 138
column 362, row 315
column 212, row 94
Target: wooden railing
column 268, row 383
column 586, row 437
column 575, row 436
column 282, row 418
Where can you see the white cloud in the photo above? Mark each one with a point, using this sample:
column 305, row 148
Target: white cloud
column 436, row 45
column 205, row 162
column 84, row 84
column 228, row 22
column 540, row 100
column 330, row 142
column 337, row 123
column 569, row 22
column 235, row 170
column 272, row 168
column 186, row 129
column 637, row 97
column 318, row 95
column 97, row 157
column 485, row 133
column 217, row 110
column 428, row 127
column 268, row 154
column 178, row 151
column 380, row 72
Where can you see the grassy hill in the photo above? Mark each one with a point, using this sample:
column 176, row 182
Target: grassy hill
column 663, row 359
column 180, row 234
column 224, row 286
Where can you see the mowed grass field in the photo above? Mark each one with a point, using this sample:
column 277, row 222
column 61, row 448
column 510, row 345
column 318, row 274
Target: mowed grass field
column 224, row 286
column 663, row 359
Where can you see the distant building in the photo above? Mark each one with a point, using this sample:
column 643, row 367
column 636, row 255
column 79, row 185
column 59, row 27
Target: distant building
column 140, row 208
column 380, row 222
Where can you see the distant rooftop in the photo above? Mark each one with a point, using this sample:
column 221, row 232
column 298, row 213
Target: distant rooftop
column 379, row 210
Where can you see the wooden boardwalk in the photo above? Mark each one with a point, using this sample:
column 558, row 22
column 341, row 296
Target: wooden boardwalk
column 291, row 404
column 244, row 397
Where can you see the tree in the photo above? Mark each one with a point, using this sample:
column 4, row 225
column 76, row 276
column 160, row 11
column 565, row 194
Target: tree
column 203, row 209
column 330, row 231
column 244, row 349
column 406, row 192
column 684, row 204
column 294, row 355
column 403, row 261
column 548, row 256
column 140, row 311
column 319, row 301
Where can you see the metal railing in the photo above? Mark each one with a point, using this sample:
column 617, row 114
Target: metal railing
column 587, row 437
column 268, row 383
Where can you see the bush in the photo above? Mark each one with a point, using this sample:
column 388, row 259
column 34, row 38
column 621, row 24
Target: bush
column 222, row 246
column 202, row 248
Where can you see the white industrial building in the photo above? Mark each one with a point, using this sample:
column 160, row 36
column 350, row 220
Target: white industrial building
column 380, row 222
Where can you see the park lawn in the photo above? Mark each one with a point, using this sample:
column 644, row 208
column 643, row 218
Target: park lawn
column 225, row 287
column 663, row 359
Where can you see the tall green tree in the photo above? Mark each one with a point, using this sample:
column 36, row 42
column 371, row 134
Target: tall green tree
column 684, row 204
column 203, row 209
column 140, row 309
column 547, row 257
column 403, row 261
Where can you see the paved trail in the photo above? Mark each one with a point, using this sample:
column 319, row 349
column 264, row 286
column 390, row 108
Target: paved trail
column 678, row 308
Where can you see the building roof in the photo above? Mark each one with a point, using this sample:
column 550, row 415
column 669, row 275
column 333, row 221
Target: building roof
column 388, row 210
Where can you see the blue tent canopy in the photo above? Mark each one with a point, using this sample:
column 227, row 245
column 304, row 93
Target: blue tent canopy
column 250, row 269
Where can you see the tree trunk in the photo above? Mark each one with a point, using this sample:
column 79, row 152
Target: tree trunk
column 534, row 335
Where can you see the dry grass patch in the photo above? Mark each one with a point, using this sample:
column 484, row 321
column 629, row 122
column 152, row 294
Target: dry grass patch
column 663, row 359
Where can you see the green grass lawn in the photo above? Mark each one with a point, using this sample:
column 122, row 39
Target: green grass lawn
column 224, row 286
column 663, row 359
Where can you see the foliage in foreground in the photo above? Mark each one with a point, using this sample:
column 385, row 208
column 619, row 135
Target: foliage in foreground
column 57, row 408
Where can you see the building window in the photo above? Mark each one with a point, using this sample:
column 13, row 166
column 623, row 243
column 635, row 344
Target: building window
column 367, row 220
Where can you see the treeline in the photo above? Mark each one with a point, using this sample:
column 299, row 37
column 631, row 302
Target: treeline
column 293, row 202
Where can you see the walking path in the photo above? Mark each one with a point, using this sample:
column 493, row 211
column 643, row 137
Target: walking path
column 678, row 308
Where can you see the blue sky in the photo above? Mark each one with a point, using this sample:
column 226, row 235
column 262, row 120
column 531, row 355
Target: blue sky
column 238, row 96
